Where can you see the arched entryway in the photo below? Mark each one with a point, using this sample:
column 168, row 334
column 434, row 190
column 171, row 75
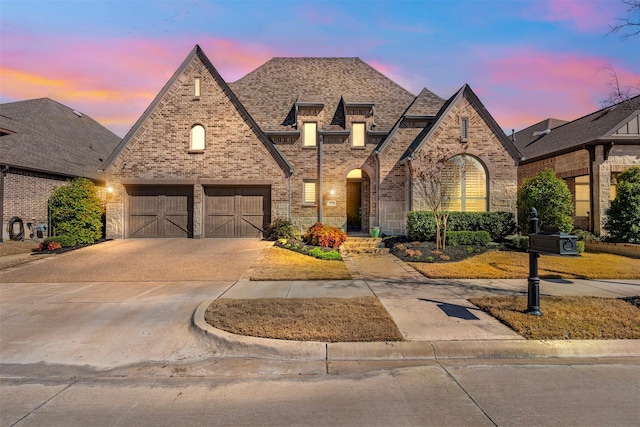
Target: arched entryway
column 357, row 200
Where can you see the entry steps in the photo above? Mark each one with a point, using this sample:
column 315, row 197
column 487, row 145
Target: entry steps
column 363, row 245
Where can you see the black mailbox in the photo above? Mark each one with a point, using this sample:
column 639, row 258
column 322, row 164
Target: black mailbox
column 553, row 243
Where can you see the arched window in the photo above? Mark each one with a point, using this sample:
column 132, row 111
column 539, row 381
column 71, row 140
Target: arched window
column 465, row 181
column 197, row 138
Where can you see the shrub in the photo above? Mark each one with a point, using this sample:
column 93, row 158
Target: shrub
column 520, row 242
column 280, row 228
column 580, row 246
column 623, row 217
column 325, row 236
column 421, row 226
column 551, row 198
column 456, row 238
column 76, row 210
column 66, row 241
column 328, row 255
column 585, row 235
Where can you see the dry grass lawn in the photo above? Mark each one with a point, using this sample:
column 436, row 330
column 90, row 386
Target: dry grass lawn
column 577, row 318
column 282, row 264
column 15, row 253
column 515, row 265
column 359, row 319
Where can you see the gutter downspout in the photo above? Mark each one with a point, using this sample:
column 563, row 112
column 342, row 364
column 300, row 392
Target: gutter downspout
column 410, row 184
column 289, row 208
column 3, row 171
column 377, row 153
column 320, row 198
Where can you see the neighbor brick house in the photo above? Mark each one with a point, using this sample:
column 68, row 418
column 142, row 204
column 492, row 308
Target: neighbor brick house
column 42, row 145
column 588, row 153
column 308, row 139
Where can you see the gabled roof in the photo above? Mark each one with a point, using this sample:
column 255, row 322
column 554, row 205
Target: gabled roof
column 270, row 91
column 44, row 135
column 550, row 137
column 426, row 103
column 424, row 106
column 428, row 130
column 197, row 52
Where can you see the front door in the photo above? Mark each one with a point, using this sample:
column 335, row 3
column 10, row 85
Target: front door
column 354, row 205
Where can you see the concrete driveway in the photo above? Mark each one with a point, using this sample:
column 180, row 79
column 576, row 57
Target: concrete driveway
column 117, row 303
column 144, row 260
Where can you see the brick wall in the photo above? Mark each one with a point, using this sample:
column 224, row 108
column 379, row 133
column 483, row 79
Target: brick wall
column 26, row 196
column 482, row 144
column 160, row 150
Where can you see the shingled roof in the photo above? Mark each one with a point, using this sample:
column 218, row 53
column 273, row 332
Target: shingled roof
column 551, row 137
column 46, row 136
column 271, row 91
column 465, row 91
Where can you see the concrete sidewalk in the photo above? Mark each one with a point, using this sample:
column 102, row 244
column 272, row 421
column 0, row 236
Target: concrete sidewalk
column 434, row 316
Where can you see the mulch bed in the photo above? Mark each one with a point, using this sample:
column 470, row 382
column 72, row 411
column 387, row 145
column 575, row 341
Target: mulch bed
column 67, row 249
column 300, row 247
column 427, row 252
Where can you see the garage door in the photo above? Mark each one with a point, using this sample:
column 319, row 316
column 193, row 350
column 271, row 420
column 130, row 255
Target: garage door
column 165, row 211
column 237, row 211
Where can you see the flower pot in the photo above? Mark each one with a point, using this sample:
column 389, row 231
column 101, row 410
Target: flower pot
column 374, row 232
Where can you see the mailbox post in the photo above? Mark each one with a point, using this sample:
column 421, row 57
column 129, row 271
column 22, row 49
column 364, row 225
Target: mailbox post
column 550, row 243
column 533, row 288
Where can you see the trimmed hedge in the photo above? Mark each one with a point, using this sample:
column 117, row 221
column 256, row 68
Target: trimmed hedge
column 457, row 238
column 422, row 227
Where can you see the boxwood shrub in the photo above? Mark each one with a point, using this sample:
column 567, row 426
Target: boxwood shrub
column 478, row 238
column 422, row 227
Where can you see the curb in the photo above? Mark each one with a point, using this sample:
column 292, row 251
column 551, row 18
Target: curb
column 229, row 344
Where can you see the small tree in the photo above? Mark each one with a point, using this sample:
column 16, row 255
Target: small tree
column 76, row 211
column 623, row 217
column 550, row 196
column 434, row 189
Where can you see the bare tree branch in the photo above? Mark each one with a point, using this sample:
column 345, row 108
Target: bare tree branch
column 630, row 26
column 620, row 94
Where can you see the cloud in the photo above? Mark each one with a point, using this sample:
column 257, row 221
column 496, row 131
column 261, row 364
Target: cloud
column 582, row 15
column 111, row 80
column 524, row 85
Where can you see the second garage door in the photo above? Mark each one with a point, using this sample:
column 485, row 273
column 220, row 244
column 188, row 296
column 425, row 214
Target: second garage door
column 237, row 211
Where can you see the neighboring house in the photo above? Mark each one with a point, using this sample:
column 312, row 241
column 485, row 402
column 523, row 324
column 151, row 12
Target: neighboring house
column 43, row 144
column 309, row 139
column 588, row 153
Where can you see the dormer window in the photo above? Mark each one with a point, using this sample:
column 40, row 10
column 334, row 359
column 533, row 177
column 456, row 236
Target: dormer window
column 357, row 134
column 310, row 135
column 464, row 129
column 197, row 82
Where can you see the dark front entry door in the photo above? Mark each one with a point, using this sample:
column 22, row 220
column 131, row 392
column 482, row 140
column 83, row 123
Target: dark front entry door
column 354, row 205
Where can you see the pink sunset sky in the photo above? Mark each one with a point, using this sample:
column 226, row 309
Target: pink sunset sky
column 526, row 60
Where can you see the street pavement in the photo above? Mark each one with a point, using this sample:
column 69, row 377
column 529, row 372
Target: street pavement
column 105, row 336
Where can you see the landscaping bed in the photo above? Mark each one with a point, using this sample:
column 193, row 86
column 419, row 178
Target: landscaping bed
column 295, row 245
column 414, row 251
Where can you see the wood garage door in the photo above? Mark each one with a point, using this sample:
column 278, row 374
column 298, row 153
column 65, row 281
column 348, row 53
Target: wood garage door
column 237, row 211
column 165, row 211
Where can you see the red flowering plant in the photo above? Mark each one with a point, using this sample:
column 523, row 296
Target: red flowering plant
column 324, row 235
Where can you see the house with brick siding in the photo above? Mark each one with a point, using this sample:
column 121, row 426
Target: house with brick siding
column 308, row 139
column 588, row 153
column 42, row 145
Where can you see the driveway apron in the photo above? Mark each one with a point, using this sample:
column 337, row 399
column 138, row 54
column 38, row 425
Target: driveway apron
column 118, row 303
